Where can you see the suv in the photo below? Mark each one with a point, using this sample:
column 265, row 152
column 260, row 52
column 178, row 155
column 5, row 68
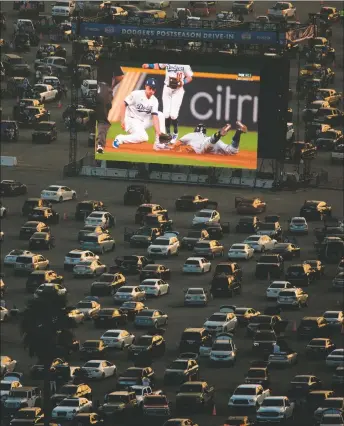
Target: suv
column 225, row 285
column 71, row 391
column 271, row 229
column 160, row 220
column 36, row 278
column 26, row 396
column 86, row 207
column 292, row 297
column 15, row 65
column 76, row 256
column 229, row 268
column 195, row 396
column 29, row 263
column 258, row 376
column 9, row 131
column 311, row 327
column 248, row 225
column 107, row 284
column 315, row 210
column 98, row 242
column 144, row 209
column 117, row 403
column 193, row 338
column 137, row 194
column 31, row 203
column 300, row 275
column 269, row 264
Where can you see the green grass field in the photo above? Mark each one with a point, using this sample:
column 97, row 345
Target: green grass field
column 249, row 142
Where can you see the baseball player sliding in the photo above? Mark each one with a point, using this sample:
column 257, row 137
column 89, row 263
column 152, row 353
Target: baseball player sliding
column 177, row 76
column 139, row 111
column 199, row 143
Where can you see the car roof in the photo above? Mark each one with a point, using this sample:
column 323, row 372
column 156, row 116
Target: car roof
column 195, row 258
column 252, row 386
column 194, row 329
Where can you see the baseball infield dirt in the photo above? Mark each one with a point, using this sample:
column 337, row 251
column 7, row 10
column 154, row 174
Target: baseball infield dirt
column 244, row 160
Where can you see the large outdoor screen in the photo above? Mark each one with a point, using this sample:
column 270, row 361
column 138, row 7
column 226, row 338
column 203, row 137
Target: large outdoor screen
column 136, row 102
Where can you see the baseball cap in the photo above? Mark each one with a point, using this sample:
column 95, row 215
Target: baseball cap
column 151, row 82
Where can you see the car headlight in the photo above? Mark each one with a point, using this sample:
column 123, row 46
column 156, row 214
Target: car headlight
column 255, row 344
column 251, row 400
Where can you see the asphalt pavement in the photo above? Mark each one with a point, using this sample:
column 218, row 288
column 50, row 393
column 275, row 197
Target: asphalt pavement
column 40, row 166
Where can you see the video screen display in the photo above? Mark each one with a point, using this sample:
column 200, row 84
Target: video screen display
column 209, row 114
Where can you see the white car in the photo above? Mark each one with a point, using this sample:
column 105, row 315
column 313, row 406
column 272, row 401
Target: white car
column 7, row 364
column 155, row 287
column 11, row 258
column 130, row 293
column 99, row 369
column 163, row 246
column 118, row 339
column 196, row 265
column 195, row 296
column 221, row 322
column 104, row 219
column 276, row 408
column 76, row 256
column 52, row 80
column 298, row 225
column 252, row 395
column 3, row 212
column 58, row 193
column 141, row 392
column 6, row 387
column 88, row 87
column 223, row 351
column 4, row 314
column 89, row 268
column 276, row 287
column 335, row 358
column 206, row 216
column 59, row 289
column 240, row 251
column 88, row 307
column 334, row 318
column 68, row 408
column 260, row 243
column 290, row 130
column 282, row 10
column 45, row 92
column 157, row 4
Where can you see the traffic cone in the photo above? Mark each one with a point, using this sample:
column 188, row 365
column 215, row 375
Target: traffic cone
column 59, row 105
column 41, row 36
column 86, row 194
column 214, row 410
column 294, row 328
column 65, row 217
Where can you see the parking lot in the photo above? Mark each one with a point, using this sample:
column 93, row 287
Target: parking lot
column 40, row 166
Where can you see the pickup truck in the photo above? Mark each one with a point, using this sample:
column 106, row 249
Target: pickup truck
column 45, row 92
column 55, row 62
column 335, row 231
column 282, row 11
column 275, row 408
column 142, row 391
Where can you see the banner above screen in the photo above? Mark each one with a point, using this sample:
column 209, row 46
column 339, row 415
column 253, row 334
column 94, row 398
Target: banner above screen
column 195, row 34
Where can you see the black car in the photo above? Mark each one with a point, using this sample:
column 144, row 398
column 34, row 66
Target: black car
column 142, row 237
column 272, row 229
column 155, row 271
column 30, row 116
column 216, row 230
column 15, row 65
column 303, row 384
column 229, row 268
column 30, row 227
column 328, row 231
column 44, row 132
column 9, row 131
column 300, row 150
column 192, row 203
column 86, row 207
column 41, row 240
column 287, row 250
column 160, row 220
column 194, row 236
column 329, row 140
column 12, row 188
column 136, row 195
column 258, row 376
column 193, row 338
column 31, row 203
column 300, row 275
column 132, row 264
column 247, row 225
column 132, row 309
column 180, row 371
column 144, row 209
column 70, row 390
column 93, row 349
column 311, row 327
column 331, row 250
column 319, row 348
column 269, row 265
column 147, row 347
column 107, row 284
column 45, row 215
column 36, row 278
column 195, row 396
column 110, row 317
column 315, row 210
column 263, row 342
column 225, row 286
column 133, row 376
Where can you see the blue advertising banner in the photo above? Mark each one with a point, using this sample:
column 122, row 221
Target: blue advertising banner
column 195, row 34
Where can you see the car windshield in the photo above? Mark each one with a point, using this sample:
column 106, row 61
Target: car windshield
column 106, row 278
column 287, row 294
column 90, row 239
column 74, row 255
column 277, row 285
column 91, row 365
column 150, row 267
column 192, row 262
column 262, row 336
column 18, row 394
column 218, row 318
column 68, row 389
column 111, row 334
column 5, row 386
column 53, row 188
column 222, row 347
column 44, row 127
column 191, row 388
column 202, row 245
column 96, row 215
column 195, row 291
column 91, row 345
column 39, row 235
column 238, row 247
column 116, row 398
column 331, row 315
column 25, row 414
column 273, row 402
column 106, row 312
column 194, row 234
column 125, row 290
column 318, row 343
column 203, row 214
column 240, row 311
column 144, row 209
column 178, row 365
column 162, row 242
column 262, row 319
column 144, row 341
column 144, row 231
column 69, row 403
column 295, row 270
column 267, row 226
column 146, row 313
column 22, row 259
column 129, row 305
column 256, row 373
column 155, row 401
column 308, row 323
column 299, row 221
column 333, row 403
column 84, row 305
column 253, row 239
column 245, row 391
column 133, row 373
column 300, row 379
column 191, row 336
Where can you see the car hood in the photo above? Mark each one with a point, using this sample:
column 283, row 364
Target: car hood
column 190, row 395
column 273, row 409
column 20, row 66
column 140, row 237
column 42, row 132
column 213, row 324
column 113, row 405
column 238, row 397
column 139, row 348
column 62, row 409
column 128, row 379
column 197, row 219
column 174, row 371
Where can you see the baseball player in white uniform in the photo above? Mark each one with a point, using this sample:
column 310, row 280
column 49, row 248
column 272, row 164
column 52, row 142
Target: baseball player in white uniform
column 177, row 76
column 139, row 112
column 199, row 143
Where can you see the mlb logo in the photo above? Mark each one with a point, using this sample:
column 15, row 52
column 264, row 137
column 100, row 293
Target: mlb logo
column 246, row 36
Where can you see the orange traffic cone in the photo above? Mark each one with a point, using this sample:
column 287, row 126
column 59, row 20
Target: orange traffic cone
column 294, row 329
column 214, row 410
column 59, row 105
column 65, row 217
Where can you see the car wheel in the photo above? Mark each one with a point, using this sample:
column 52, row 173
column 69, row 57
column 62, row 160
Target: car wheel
column 60, row 199
column 263, row 249
column 103, row 376
column 222, row 253
column 122, row 346
column 159, row 293
column 113, row 247
column 166, row 321
column 74, row 197
column 102, row 251
column 202, row 271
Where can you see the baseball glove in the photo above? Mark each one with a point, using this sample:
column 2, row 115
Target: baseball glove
column 165, row 138
column 179, row 147
column 174, row 83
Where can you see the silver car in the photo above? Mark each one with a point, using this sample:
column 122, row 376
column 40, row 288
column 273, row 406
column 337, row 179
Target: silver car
column 98, row 243
column 283, row 359
column 209, row 249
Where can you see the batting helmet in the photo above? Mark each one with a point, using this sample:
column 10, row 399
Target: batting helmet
column 200, row 128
